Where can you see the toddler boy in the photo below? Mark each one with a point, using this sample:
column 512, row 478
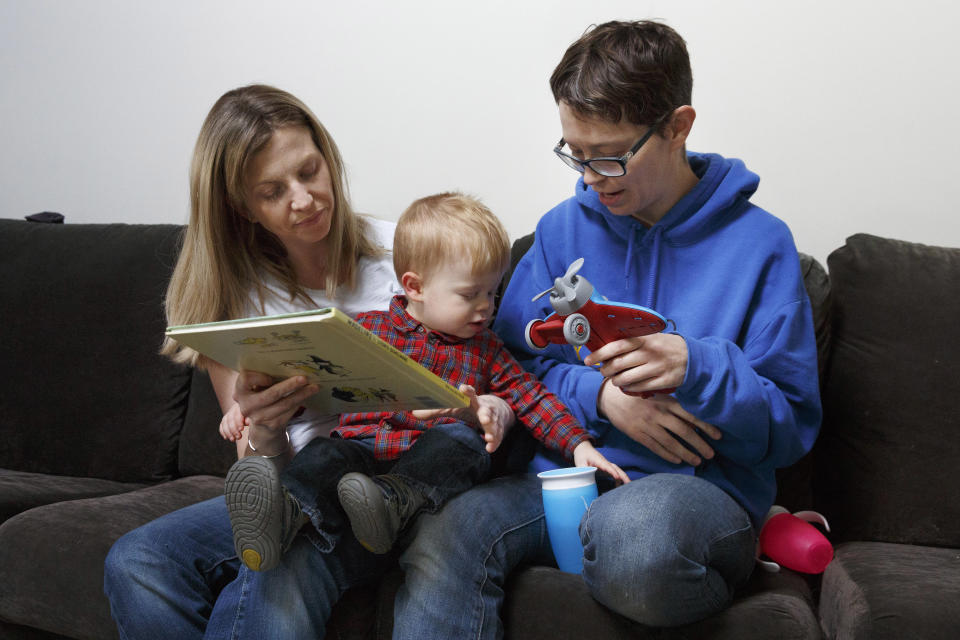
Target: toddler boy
column 450, row 253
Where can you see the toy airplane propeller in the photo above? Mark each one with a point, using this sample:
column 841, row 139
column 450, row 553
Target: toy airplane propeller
column 582, row 317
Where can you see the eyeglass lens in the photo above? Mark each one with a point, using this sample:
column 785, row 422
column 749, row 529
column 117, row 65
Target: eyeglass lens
column 610, row 168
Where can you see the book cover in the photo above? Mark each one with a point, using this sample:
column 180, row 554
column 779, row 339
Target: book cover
column 355, row 370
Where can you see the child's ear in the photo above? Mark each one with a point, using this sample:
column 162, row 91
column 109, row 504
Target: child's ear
column 412, row 285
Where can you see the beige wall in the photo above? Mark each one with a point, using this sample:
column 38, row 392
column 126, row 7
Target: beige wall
column 847, row 110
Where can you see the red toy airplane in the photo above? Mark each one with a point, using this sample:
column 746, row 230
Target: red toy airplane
column 583, row 318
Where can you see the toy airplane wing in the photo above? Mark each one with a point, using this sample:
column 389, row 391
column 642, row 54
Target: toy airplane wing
column 621, row 320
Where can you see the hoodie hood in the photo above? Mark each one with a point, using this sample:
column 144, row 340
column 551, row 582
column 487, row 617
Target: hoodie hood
column 724, row 189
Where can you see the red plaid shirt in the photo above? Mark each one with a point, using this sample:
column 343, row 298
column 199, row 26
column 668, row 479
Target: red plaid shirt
column 482, row 362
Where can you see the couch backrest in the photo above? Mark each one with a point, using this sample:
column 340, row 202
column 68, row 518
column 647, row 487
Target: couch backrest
column 887, row 457
column 84, row 391
column 202, row 450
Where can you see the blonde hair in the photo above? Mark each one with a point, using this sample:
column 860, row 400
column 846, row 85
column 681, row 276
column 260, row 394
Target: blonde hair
column 447, row 227
column 223, row 254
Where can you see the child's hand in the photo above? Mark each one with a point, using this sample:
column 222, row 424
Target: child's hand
column 586, row 455
column 492, row 414
column 231, row 427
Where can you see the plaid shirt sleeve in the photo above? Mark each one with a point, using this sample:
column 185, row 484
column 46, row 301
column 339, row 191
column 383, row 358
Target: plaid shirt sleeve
column 541, row 412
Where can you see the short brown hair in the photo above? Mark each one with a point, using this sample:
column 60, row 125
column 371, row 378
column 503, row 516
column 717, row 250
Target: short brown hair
column 446, row 227
column 639, row 71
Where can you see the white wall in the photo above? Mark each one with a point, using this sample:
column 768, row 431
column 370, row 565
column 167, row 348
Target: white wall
column 847, row 110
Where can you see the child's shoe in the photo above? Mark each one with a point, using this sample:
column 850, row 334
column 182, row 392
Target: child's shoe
column 378, row 508
column 265, row 518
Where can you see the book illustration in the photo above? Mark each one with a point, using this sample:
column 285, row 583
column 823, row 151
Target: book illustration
column 275, row 339
column 315, row 367
column 370, row 394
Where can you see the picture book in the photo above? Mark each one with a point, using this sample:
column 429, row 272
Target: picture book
column 355, row 370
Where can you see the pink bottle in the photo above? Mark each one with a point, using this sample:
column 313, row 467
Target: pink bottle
column 790, row 540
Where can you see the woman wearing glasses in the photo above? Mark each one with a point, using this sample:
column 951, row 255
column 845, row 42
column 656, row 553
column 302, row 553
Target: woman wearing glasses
column 676, row 232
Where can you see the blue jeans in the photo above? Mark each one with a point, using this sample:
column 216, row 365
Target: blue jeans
column 444, row 461
column 179, row 576
column 664, row 550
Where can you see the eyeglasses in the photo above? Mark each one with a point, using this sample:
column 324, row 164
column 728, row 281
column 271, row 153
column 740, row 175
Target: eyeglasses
column 607, row 166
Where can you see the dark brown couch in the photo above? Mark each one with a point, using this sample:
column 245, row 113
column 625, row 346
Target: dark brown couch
column 99, row 434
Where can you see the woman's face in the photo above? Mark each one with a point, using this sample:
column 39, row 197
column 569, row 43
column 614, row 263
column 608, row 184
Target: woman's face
column 288, row 189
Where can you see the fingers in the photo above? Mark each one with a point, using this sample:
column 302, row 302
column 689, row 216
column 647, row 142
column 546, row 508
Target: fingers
column 253, row 381
column 710, row 430
column 685, row 432
column 645, row 363
column 670, row 450
column 274, row 404
column 231, row 426
column 609, row 351
column 493, row 428
column 614, row 471
column 586, row 455
column 493, row 441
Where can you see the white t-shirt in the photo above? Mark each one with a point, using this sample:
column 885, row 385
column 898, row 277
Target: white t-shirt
column 376, row 286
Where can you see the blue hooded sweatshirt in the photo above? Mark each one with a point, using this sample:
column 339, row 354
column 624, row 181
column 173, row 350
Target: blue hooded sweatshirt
column 728, row 275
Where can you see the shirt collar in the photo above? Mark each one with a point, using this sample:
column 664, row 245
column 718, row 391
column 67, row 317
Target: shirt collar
column 406, row 323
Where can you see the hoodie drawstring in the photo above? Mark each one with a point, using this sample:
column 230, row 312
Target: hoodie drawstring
column 654, row 267
column 654, row 271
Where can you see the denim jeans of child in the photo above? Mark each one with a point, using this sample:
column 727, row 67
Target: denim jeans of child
column 443, row 462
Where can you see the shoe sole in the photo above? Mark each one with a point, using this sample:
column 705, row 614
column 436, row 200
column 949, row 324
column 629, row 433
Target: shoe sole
column 363, row 502
column 254, row 501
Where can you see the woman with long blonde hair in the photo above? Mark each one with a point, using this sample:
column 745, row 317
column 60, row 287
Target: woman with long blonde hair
column 271, row 231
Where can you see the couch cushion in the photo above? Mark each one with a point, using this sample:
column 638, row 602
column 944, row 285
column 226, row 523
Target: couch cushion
column 20, row 490
column 874, row 591
column 889, row 445
column 17, row 632
column 52, row 556
column 546, row 603
column 85, row 392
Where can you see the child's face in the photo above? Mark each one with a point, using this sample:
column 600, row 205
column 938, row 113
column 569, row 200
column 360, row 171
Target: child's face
column 455, row 301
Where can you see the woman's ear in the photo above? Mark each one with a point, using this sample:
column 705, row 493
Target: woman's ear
column 678, row 129
column 412, row 285
column 244, row 212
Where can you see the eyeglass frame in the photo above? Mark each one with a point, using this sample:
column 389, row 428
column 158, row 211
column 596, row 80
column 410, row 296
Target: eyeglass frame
column 580, row 166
